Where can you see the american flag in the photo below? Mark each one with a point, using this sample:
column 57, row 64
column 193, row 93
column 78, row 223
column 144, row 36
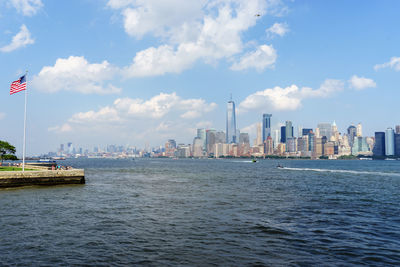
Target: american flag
column 18, row 86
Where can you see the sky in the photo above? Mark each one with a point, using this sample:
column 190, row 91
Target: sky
column 137, row 72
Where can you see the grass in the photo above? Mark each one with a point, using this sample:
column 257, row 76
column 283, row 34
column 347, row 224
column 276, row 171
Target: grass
column 6, row 168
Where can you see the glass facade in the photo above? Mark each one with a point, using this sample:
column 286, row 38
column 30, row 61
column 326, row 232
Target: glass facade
column 266, row 127
column 379, row 148
column 230, row 123
column 351, row 132
column 289, row 130
column 389, row 142
column 397, row 144
column 325, row 129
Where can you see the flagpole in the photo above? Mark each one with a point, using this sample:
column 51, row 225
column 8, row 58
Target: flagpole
column 24, row 144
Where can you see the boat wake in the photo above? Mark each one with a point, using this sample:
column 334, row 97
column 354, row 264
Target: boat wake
column 343, row 171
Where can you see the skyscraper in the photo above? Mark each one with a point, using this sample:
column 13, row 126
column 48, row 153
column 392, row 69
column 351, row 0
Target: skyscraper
column 230, row 123
column 306, row 131
column 397, row 144
column 283, row 134
column 398, row 129
column 201, row 133
column 266, row 127
column 289, row 130
column 389, row 142
column 259, row 140
column 325, row 129
column 379, row 148
column 359, row 130
column 352, row 132
column 211, row 136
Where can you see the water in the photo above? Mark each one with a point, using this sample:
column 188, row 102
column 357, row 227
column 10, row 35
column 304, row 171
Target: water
column 163, row 212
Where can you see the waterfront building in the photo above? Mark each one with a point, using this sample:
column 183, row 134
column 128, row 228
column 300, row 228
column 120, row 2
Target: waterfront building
column 379, row 147
column 211, row 136
column 370, row 142
column 329, row 149
column 389, row 142
column 269, row 146
column 230, row 123
column 266, row 126
column 233, row 150
column 397, row 144
column 319, row 146
column 281, row 149
column 291, row 145
column 170, row 148
column 198, row 147
column 344, row 150
column 359, row 130
column 218, row 150
column 360, row 146
column 351, row 132
column 244, row 144
column 325, row 129
column 183, row 151
column 302, row 144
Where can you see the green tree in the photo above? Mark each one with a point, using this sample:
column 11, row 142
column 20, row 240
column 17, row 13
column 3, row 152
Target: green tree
column 7, row 151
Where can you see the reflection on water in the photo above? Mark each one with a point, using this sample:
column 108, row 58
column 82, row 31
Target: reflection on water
column 208, row 212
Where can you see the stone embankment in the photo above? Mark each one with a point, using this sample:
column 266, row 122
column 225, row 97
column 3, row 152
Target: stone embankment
column 41, row 177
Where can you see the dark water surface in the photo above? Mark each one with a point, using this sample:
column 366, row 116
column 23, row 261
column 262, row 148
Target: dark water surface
column 163, row 212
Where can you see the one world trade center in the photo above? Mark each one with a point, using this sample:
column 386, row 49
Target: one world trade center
column 230, row 123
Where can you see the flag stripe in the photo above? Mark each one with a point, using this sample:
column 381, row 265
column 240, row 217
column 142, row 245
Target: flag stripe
column 17, row 86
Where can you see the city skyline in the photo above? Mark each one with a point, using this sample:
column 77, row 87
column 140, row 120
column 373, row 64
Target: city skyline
column 323, row 141
column 133, row 72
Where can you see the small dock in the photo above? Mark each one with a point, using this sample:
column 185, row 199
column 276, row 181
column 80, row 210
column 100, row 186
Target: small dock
column 41, row 177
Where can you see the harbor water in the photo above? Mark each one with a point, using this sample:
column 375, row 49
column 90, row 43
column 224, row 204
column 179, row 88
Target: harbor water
column 232, row 212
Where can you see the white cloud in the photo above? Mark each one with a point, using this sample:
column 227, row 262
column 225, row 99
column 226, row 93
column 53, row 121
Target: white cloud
column 289, row 98
column 157, row 107
column 61, row 129
column 264, row 56
column 21, row 39
column 191, row 31
column 278, row 29
column 117, row 4
column 250, row 129
column 158, row 118
column 27, row 7
column 157, row 17
column 76, row 74
column 360, row 83
column 2, row 115
column 394, row 63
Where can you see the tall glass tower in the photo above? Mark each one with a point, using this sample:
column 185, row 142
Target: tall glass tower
column 289, row 130
column 230, row 123
column 389, row 142
column 266, row 126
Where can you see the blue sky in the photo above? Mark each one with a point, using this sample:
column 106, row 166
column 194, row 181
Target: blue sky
column 136, row 72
